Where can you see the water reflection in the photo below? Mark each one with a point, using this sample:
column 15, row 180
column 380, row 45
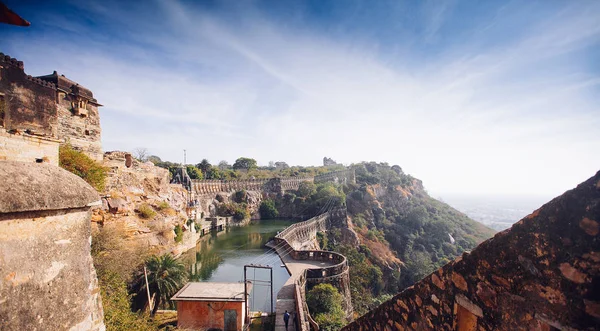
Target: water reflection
column 221, row 256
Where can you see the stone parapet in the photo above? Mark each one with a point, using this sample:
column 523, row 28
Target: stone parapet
column 28, row 148
column 47, row 278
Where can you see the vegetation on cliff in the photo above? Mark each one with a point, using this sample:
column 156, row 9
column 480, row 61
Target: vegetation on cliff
column 325, row 304
column 83, row 166
column 404, row 233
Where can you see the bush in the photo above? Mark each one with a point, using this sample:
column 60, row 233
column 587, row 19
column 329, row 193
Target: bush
column 178, row 233
column 325, row 304
column 83, row 166
column 146, row 211
column 267, row 209
column 163, row 205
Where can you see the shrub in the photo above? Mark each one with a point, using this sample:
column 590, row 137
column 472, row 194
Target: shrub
column 267, row 209
column 83, row 166
column 178, row 233
column 325, row 304
column 146, row 211
column 197, row 227
column 163, row 205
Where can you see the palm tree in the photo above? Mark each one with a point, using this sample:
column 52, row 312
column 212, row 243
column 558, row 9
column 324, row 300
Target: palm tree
column 165, row 277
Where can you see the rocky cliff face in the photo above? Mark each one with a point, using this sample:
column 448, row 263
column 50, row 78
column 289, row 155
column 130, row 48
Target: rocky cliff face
column 140, row 204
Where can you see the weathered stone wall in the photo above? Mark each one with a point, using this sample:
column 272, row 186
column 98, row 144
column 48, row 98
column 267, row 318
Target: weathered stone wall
column 27, row 148
column 81, row 132
column 542, row 274
column 49, row 106
column 341, row 176
column 47, row 278
column 29, row 103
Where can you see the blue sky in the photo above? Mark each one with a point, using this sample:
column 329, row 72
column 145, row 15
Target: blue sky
column 469, row 96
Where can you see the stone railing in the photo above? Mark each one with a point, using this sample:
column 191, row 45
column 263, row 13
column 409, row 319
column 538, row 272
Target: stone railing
column 341, row 176
column 291, row 240
column 269, row 184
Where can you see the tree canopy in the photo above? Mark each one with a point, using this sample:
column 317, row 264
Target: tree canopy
column 244, row 163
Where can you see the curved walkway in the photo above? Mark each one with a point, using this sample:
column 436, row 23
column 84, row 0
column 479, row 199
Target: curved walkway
column 285, row 297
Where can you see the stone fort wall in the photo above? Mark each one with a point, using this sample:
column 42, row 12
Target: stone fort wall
column 50, row 108
column 47, row 278
column 542, row 274
column 270, row 184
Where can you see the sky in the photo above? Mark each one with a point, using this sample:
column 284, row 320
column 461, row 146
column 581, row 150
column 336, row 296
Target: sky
column 469, row 96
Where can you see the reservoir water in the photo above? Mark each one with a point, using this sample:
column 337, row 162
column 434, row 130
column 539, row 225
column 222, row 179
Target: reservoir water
column 221, row 256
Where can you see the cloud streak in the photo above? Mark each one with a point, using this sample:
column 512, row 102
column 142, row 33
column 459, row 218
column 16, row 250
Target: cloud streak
column 490, row 112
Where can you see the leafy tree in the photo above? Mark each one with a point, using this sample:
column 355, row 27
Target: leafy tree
column 154, row 159
column 165, row 277
column 224, row 165
column 325, row 304
column 83, row 166
column 281, row 165
column 204, row 165
column 194, row 172
column 306, row 189
column 244, row 163
column 267, row 209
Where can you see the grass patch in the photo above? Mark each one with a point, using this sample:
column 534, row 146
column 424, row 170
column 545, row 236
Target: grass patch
column 146, row 211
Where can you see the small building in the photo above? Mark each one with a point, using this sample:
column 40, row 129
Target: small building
column 211, row 305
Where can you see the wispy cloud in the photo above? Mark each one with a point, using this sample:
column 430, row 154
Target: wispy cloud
column 484, row 112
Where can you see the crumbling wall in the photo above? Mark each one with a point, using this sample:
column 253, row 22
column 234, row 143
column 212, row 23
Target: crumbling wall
column 542, row 274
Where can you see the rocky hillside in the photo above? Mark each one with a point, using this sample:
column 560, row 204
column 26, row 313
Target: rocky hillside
column 142, row 207
column 404, row 233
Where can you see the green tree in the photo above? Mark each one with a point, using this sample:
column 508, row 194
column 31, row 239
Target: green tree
column 325, row 304
column 194, row 172
column 204, row 165
column 267, row 209
column 244, row 163
column 165, row 277
column 306, row 189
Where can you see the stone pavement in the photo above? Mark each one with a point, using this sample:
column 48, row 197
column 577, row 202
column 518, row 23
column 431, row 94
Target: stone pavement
column 285, row 297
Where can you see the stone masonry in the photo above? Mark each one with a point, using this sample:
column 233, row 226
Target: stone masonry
column 39, row 113
column 47, row 278
column 542, row 274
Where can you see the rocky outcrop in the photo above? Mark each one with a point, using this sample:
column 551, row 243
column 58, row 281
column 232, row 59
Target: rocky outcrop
column 140, row 203
column 541, row 274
